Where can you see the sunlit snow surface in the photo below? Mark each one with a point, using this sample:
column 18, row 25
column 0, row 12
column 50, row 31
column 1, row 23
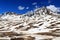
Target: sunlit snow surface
column 42, row 24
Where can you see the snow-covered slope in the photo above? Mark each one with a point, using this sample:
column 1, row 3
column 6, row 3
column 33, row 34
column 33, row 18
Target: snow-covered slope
column 40, row 21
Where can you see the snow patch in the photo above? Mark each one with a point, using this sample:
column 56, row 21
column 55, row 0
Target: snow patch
column 52, row 7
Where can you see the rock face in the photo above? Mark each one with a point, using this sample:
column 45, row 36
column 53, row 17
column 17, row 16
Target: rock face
column 41, row 24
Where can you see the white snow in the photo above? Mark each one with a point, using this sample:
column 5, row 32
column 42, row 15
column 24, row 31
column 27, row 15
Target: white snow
column 52, row 7
column 37, row 23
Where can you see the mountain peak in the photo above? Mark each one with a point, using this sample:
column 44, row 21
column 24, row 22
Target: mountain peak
column 9, row 13
column 40, row 21
column 43, row 11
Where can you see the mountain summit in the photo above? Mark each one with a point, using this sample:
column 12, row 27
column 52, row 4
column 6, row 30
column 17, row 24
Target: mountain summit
column 40, row 21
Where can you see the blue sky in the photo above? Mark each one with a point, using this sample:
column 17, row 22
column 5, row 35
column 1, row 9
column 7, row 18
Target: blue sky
column 22, row 6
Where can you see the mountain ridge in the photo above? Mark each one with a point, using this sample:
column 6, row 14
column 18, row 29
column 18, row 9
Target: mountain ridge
column 41, row 21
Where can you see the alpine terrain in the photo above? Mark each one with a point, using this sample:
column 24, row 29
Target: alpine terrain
column 40, row 24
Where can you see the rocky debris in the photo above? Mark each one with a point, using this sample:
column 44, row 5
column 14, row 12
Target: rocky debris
column 41, row 21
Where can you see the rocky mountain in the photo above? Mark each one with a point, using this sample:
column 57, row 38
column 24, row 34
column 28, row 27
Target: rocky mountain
column 40, row 24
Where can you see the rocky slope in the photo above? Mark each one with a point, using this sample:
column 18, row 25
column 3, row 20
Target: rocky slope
column 40, row 24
